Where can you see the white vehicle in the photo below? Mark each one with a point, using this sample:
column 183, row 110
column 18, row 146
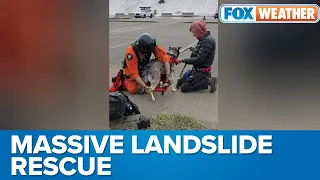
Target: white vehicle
column 144, row 12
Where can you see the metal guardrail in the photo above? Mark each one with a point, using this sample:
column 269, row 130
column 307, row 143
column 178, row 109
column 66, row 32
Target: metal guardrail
column 187, row 14
column 166, row 14
column 119, row 14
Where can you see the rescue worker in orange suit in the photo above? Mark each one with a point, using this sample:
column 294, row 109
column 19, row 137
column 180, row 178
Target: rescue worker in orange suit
column 137, row 55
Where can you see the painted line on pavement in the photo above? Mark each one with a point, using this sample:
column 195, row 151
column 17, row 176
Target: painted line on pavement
column 133, row 41
column 138, row 28
column 134, row 29
column 129, row 27
column 121, row 45
column 116, row 29
column 188, row 46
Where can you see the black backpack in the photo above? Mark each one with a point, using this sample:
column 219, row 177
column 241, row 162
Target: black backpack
column 120, row 106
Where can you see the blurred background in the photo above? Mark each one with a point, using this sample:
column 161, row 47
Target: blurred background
column 54, row 69
column 269, row 74
column 54, row 64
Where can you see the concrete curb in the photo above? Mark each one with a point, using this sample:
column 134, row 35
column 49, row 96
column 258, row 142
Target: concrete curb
column 210, row 22
column 119, row 20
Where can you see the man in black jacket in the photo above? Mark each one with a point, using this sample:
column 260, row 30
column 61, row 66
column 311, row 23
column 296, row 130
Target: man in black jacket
column 199, row 78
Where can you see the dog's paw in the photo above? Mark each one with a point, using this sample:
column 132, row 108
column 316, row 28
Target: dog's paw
column 174, row 90
column 153, row 99
column 170, row 80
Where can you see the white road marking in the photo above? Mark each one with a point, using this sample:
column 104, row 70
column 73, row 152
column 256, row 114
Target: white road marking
column 133, row 41
column 123, row 30
column 121, row 45
column 188, row 46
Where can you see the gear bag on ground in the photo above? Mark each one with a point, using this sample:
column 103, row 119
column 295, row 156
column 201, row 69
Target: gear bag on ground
column 120, row 106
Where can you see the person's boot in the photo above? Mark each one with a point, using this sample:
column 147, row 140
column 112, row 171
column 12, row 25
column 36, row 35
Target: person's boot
column 213, row 82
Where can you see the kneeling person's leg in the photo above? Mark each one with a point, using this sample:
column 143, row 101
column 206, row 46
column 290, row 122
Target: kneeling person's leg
column 199, row 81
column 194, row 85
column 213, row 81
column 132, row 86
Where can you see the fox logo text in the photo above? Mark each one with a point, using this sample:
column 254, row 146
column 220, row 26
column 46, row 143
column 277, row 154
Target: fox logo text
column 269, row 13
column 239, row 13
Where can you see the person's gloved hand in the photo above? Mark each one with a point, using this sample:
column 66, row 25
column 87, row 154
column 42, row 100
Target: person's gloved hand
column 145, row 90
column 179, row 61
column 148, row 89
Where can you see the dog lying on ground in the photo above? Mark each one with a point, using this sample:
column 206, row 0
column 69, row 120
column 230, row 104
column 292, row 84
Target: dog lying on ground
column 155, row 69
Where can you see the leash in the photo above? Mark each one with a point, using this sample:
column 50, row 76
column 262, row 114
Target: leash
column 174, row 60
column 183, row 69
column 183, row 50
column 185, row 65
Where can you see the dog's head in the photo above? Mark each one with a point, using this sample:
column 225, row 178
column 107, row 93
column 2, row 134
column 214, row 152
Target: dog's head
column 174, row 51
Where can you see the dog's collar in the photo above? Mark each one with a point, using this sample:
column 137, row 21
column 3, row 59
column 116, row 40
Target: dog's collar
column 173, row 60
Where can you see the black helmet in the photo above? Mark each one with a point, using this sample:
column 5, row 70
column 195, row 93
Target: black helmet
column 146, row 43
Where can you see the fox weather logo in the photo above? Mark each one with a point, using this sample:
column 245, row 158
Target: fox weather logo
column 237, row 14
column 269, row 13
